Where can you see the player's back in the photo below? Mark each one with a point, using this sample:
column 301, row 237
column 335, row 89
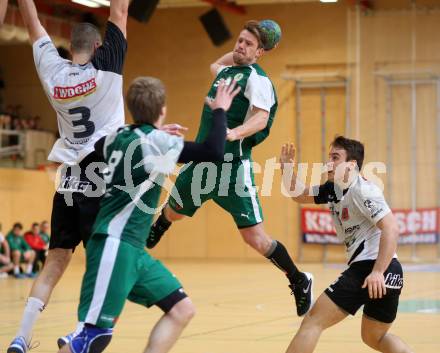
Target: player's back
column 88, row 99
column 138, row 158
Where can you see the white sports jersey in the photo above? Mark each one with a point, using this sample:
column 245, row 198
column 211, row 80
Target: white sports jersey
column 361, row 206
column 88, row 98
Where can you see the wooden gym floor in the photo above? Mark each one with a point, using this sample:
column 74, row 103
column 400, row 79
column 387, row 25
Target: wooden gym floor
column 241, row 307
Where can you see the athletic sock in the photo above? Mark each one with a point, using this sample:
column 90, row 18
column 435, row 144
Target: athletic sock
column 79, row 328
column 279, row 256
column 29, row 268
column 162, row 222
column 32, row 310
column 16, row 270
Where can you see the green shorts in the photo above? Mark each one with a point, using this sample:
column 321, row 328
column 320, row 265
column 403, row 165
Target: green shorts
column 116, row 271
column 229, row 184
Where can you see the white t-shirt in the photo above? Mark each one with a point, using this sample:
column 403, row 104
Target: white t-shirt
column 88, row 99
column 355, row 213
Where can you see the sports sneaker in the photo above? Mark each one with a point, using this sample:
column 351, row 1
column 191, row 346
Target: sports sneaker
column 303, row 293
column 30, row 275
column 63, row 340
column 3, row 275
column 157, row 230
column 18, row 345
column 91, row 339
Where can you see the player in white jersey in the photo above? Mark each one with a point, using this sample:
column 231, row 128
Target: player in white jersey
column 368, row 228
column 86, row 94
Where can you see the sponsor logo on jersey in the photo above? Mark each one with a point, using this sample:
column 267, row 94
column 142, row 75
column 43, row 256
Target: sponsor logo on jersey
column 71, row 92
column 238, row 77
column 373, row 208
column 351, row 229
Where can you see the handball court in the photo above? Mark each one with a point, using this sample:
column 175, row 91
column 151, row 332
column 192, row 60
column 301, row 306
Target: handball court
column 241, row 307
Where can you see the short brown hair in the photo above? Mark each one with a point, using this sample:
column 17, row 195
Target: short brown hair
column 145, row 99
column 83, row 37
column 254, row 27
column 354, row 149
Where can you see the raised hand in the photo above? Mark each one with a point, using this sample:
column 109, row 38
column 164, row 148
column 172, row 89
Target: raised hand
column 287, row 155
column 225, row 95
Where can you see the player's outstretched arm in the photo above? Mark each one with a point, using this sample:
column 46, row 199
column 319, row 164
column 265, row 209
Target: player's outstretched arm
column 119, row 13
column 225, row 60
column 297, row 190
column 30, row 18
column 3, row 8
column 212, row 149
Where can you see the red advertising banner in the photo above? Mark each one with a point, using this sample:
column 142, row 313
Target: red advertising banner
column 420, row 226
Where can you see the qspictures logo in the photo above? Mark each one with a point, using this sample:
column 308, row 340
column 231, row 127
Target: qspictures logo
column 71, row 92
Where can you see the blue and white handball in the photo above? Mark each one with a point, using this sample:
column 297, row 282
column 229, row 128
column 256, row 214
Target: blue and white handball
column 271, row 32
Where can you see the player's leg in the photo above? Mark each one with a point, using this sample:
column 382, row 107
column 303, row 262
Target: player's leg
column 29, row 258
column 375, row 335
column 301, row 283
column 16, row 258
column 379, row 314
column 158, row 286
column 64, row 238
column 111, row 272
column 242, row 202
column 6, row 265
column 325, row 313
column 170, row 326
column 180, row 204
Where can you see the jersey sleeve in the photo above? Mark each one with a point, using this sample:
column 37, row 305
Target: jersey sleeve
column 370, row 202
column 160, row 151
column 259, row 91
column 111, row 54
column 46, row 57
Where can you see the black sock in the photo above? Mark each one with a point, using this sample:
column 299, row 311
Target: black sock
column 162, row 222
column 279, row 256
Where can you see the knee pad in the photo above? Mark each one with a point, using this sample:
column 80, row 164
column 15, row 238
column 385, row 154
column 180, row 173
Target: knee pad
column 91, row 339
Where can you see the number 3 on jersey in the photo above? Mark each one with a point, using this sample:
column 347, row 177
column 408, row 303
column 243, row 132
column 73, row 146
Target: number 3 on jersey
column 89, row 126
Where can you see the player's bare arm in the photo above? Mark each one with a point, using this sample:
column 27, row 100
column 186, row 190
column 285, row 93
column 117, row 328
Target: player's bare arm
column 297, row 189
column 257, row 122
column 3, row 8
column 375, row 281
column 225, row 60
column 31, row 21
column 118, row 14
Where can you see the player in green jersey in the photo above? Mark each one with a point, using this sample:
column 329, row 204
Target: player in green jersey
column 138, row 159
column 249, row 121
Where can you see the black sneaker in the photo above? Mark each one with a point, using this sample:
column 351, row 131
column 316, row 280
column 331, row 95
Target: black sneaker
column 156, row 232
column 303, row 293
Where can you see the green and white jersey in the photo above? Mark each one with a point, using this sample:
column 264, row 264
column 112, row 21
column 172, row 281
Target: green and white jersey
column 138, row 158
column 256, row 91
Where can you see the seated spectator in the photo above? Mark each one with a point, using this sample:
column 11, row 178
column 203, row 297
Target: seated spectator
column 5, row 257
column 44, row 233
column 34, row 240
column 20, row 252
